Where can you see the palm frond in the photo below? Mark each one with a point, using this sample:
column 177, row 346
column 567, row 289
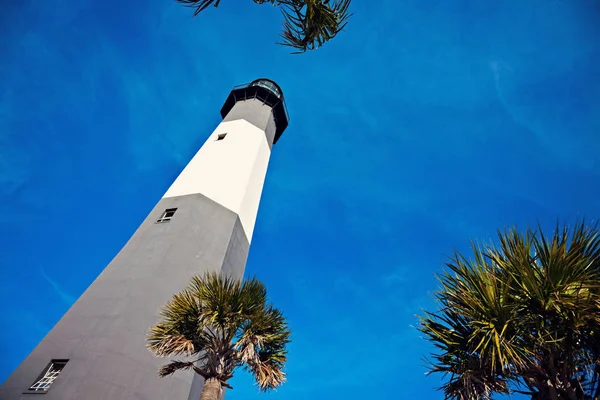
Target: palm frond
column 199, row 5
column 173, row 366
column 177, row 333
column 225, row 323
column 253, row 296
column 469, row 377
column 308, row 24
column 163, row 343
column 223, row 302
column 262, row 347
column 524, row 312
column 268, row 375
column 479, row 292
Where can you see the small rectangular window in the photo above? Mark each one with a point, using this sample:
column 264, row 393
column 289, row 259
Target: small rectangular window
column 48, row 376
column 221, row 136
column 167, row 215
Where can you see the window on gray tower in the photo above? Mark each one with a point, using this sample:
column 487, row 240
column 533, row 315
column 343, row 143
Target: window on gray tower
column 48, row 376
column 221, row 136
column 167, row 215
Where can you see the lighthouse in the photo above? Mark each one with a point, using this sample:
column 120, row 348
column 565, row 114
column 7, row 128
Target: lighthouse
column 204, row 222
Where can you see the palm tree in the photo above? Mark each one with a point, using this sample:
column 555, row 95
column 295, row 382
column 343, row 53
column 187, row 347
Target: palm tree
column 308, row 24
column 522, row 316
column 221, row 324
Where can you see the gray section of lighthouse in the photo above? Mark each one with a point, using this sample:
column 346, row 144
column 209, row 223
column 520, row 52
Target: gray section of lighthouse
column 103, row 333
column 257, row 113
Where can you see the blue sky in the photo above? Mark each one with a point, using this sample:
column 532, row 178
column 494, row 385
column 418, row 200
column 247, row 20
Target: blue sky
column 426, row 124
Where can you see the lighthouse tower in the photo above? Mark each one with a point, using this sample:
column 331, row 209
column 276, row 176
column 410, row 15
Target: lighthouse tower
column 204, row 222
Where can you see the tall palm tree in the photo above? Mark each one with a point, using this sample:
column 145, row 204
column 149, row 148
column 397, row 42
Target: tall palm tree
column 522, row 316
column 308, row 24
column 221, row 324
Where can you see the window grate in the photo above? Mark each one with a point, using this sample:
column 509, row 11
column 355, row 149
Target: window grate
column 167, row 215
column 43, row 383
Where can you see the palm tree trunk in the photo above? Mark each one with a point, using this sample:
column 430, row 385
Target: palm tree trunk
column 212, row 390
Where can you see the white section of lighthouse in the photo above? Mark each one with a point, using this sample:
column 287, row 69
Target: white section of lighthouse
column 230, row 168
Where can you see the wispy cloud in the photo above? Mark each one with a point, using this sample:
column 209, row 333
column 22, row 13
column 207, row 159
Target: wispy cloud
column 66, row 297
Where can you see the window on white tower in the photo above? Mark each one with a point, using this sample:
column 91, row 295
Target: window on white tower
column 167, row 215
column 48, row 376
column 221, row 136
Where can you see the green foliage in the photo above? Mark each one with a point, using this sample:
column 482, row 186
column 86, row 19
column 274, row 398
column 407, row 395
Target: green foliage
column 223, row 324
column 521, row 316
column 308, row 24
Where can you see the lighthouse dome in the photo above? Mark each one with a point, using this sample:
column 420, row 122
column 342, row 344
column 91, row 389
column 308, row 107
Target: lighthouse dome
column 269, row 85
